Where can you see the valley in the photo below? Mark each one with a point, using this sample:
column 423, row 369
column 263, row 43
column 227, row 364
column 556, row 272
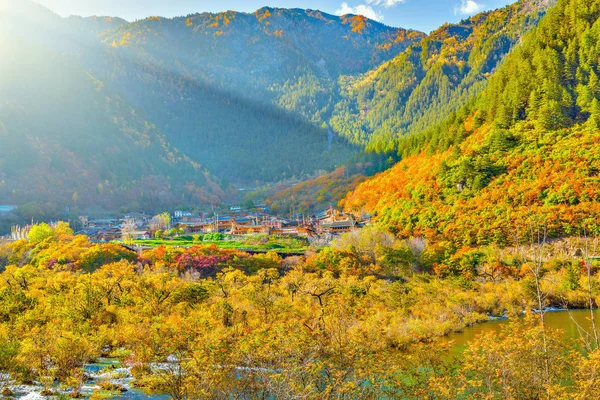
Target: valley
column 292, row 204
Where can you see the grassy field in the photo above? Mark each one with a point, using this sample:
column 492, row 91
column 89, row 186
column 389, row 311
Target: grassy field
column 258, row 243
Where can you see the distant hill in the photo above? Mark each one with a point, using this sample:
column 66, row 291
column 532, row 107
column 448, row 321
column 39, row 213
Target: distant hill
column 526, row 151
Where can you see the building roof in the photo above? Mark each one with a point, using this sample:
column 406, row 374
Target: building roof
column 339, row 224
column 104, row 221
column 243, row 220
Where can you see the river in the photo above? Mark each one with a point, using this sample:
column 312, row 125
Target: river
column 566, row 321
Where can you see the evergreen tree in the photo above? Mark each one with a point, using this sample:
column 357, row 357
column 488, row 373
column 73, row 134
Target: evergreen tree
column 595, row 114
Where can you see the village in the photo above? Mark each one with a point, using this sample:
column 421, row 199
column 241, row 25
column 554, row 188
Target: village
column 236, row 221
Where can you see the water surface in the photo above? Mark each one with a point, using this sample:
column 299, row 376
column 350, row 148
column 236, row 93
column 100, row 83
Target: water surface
column 570, row 322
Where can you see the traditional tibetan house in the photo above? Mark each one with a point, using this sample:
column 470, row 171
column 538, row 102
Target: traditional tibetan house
column 274, row 223
column 250, row 230
column 336, row 222
column 343, row 226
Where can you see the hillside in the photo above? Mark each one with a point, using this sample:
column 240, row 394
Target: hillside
column 140, row 114
column 161, row 112
column 527, row 147
column 265, row 49
column 432, row 78
column 314, row 195
column 68, row 140
column 264, row 83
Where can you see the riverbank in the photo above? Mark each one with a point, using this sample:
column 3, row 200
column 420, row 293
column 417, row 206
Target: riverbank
column 106, row 378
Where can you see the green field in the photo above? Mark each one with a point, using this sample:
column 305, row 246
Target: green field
column 259, row 243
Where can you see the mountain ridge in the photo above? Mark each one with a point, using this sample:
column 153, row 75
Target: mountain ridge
column 432, row 78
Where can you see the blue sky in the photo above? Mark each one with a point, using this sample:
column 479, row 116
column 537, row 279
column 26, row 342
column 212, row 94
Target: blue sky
column 424, row 15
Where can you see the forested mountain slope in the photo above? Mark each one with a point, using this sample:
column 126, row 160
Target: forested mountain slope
column 66, row 139
column 432, row 78
column 528, row 147
column 248, row 94
column 263, row 48
column 244, row 95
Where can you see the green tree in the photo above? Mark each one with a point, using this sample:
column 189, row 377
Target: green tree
column 40, row 232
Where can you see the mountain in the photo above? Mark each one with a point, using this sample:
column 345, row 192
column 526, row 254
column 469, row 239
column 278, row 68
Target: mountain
column 270, row 45
column 164, row 112
column 100, row 111
column 248, row 94
column 431, row 78
column 526, row 151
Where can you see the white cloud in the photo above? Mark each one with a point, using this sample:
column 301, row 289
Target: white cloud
column 385, row 3
column 362, row 9
column 469, row 7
